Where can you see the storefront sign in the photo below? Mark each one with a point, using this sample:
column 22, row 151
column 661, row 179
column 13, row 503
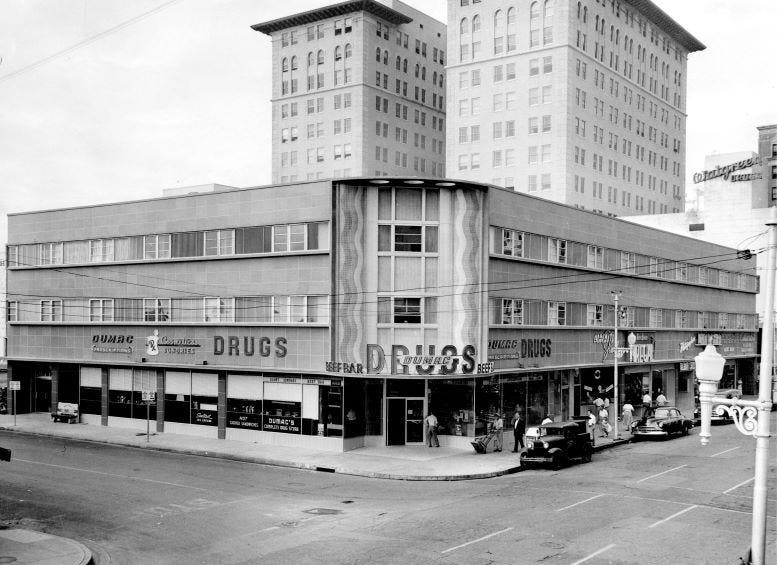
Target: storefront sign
column 446, row 362
column 340, row 367
column 289, row 380
column 282, row 424
column 688, row 366
column 248, row 346
column 726, row 171
column 205, row 417
column 112, row 343
column 607, row 341
column 642, row 347
column 501, row 349
column 686, row 345
column 156, row 344
column 708, row 339
column 246, row 421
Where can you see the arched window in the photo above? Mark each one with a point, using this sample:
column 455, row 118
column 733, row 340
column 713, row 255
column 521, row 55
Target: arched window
column 475, row 23
column 294, row 63
column 585, row 14
column 404, row 66
column 348, row 51
column 497, row 21
column 385, row 57
column 417, row 70
column 320, row 57
column 534, row 24
column 377, row 54
column 285, row 65
column 547, row 17
column 399, row 63
column 579, row 10
column 511, row 16
column 338, row 53
column 311, row 59
column 423, row 73
column 464, row 26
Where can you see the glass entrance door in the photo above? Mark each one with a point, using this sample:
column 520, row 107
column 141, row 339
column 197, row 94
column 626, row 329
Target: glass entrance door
column 405, row 421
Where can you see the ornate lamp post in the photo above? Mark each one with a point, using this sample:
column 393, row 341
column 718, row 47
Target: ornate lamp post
column 750, row 416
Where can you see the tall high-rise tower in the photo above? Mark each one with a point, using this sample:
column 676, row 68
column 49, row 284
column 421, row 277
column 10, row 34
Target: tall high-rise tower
column 579, row 102
column 358, row 89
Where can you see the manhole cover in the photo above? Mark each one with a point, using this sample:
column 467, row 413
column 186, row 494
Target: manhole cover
column 323, row 511
column 552, row 545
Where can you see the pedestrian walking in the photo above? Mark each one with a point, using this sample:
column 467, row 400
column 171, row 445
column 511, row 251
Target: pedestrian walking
column 431, row 430
column 519, row 428
column 628, row 416
column 499, row 429
column 604, row 424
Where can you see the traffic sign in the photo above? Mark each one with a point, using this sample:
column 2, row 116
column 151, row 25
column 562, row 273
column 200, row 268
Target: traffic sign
column 14, row 385
column 148, row 396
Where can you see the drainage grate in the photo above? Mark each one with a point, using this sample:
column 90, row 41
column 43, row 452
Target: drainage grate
column 325, row 469
column 323, row 511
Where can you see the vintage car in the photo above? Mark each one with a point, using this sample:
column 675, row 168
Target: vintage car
column 661, row 421
column 558, row 442
column 718, row 416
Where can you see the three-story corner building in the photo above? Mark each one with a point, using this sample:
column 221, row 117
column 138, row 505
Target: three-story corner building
column 582, row 102
column 358, row 89
column 335, row 314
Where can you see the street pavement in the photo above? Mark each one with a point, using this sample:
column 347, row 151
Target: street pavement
column 412, row 463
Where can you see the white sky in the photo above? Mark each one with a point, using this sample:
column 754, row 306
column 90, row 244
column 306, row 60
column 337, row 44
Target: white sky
column 95, row 111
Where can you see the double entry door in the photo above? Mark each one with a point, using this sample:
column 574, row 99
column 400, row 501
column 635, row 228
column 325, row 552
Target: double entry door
column 405, row 422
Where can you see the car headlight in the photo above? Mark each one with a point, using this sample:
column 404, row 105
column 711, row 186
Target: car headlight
column 545, row 444
column 530, row 444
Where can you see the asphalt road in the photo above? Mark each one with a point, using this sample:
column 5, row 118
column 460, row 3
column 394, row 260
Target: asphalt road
column 646, row 503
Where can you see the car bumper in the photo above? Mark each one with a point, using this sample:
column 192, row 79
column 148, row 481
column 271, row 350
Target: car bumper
column 649, row 432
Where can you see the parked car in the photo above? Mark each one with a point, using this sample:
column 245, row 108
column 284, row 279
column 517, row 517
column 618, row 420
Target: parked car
column 719, row 418
column 558, row 442
column 661, row 421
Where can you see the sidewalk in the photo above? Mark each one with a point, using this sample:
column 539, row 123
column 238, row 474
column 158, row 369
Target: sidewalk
column 27, row 546
column 417, row 463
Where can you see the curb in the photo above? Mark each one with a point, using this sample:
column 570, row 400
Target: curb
column 81, row 554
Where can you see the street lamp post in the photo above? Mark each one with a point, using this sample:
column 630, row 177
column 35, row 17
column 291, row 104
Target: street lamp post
column 750, row 416
column 616, row 352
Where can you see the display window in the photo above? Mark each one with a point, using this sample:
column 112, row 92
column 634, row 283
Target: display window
column 244, row 401
column 120, row 393
column 178, row 391
column 451, row 401
column 205, row 401
column 90, row 398
column 143, row 381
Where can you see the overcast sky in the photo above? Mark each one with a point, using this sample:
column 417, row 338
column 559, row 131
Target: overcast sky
column 109, row 100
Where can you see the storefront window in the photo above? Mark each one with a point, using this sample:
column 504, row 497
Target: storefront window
column 90, row 401
column 120, row 393
column 244, row 402
column 205, row 399
column 178, row 390
column 143, row 381
column 282, row 407
column 451, row 402
column 331, row 400
column 364, row 407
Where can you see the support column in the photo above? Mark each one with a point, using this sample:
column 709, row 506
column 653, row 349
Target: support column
column 104, row 397
column 11, row 395
column 160, row 400
column 222, row 406
column 54, row 388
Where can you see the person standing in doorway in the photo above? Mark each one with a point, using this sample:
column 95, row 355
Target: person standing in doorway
column 519, row 428
column 431, row 430
column 660, row 399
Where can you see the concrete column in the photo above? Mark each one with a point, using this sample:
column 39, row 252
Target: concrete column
column 54, row 388
column 160, row 400
column 222, row 405
column 104, row 397
column 11, row 396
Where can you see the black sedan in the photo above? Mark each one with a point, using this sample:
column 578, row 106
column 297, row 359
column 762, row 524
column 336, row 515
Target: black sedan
column 662, row 421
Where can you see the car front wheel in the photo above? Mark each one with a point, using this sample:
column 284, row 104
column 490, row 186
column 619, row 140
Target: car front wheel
column 559, row 460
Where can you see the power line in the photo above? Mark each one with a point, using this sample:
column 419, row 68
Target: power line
column 87, row 41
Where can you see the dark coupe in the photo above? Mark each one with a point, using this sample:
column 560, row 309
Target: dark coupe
column 557, row 443
column 661, row 421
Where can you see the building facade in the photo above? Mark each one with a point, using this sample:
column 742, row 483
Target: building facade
column 358, row 89
column 336, row 314
column 580, row 102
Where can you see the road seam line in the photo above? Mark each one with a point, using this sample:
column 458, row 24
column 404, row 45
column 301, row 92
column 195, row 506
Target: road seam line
column 477, row 540
column 594, row 554
column 581, row 502
column 675, row 515
column 661, row 473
